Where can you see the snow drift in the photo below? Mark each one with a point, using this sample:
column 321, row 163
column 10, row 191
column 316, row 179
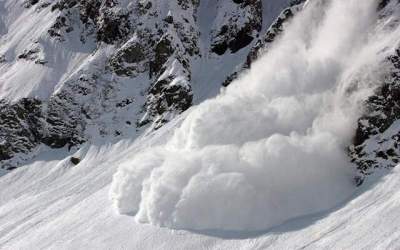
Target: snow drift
column 272, row 146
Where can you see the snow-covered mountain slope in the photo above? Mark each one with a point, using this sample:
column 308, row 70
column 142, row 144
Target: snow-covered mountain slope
column 258, row 147
column 111, row 69
column 112, row 154
column 52, row 204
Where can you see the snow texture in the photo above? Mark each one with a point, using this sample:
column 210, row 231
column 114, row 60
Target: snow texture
column 270, row 147
column 112, row 69
column 52, row 204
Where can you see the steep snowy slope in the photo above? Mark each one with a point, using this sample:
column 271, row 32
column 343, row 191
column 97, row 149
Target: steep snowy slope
column 109, row 69
column 54, row 205
column 298, row 152
column 271, row 147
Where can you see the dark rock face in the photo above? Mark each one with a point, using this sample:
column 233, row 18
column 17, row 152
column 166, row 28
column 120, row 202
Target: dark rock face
column 236, row 33
column 64, row 123
column 382, row 4
column 262, row 44
column 270, row 36
column 164, row 51
column 377, row 139
column 129, row 60
column 21, row 127
column 151, row 46
column 99, row 17
column 30, row 3
column 170, row 95
column 26, row 124
column 113, row 25
column 60, row 121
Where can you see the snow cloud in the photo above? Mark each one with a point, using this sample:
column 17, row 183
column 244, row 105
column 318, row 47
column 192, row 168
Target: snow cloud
column 272, row 146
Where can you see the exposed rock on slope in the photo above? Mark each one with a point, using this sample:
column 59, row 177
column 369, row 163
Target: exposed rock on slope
column 21, row 126
column 116, row 67
column 242, row 22
column 377, row 139
column 138, row 69
column 262, row 44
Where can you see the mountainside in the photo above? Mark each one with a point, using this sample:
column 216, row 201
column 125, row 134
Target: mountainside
column 110, row 69
column 215, row 124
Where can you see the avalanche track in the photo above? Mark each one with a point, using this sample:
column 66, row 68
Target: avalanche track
column 52, row 204
column 290, row 174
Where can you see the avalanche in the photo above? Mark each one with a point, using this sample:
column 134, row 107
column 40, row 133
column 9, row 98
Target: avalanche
column 263, row 165
column 272, row 146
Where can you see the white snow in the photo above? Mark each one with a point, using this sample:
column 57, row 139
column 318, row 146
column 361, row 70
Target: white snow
column 51, row 204
column 272, row 146
column 261, row 166
column 27, row 28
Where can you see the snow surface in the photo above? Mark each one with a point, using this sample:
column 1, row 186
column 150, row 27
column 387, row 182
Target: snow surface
column 51, row 204
column 272, row 146
column 251, row 133
column 28, row 28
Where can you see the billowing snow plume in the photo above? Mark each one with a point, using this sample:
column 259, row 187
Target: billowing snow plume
column 272, row 146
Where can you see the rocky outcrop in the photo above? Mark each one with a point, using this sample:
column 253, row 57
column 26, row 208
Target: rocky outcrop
column 104, row 19
column 130, row 59
column 34, row 53
column 63, row 119
column 28, row 123
column 376, row 143
column 377, row 139
column 21, row 127
column 169, row 96
column 163, row 47
column 241, row 23
column 140, row 73
column 262, row 44
column 382, row 4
